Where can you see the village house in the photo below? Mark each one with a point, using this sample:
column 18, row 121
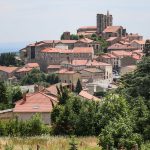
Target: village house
column 69, row 76
column 112, row 40
column 55, row 56
column 131, row 37
column 87, row 31
column 127, row 58
column 119, row 47
column 92, row 75
column 107, row 68
column 138, row 44
column 7, row 73
column 110, row 59
column 35, row 103
column 76, row 65
column 85, row 42
column 23, row 71
column 114, row 31
column 53, row 69
column 128, row 69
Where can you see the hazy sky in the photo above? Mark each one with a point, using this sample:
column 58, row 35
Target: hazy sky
column 33, row 20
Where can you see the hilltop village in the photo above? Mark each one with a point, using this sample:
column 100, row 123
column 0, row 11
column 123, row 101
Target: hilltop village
column 93, row 59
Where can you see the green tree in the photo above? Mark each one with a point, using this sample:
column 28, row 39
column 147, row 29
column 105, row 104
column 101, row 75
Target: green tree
column 3, row 97
column 147, row 48
column 52, row 79
column 119, row 133
column 35, row 76
column 78, row 88
column 63, row 94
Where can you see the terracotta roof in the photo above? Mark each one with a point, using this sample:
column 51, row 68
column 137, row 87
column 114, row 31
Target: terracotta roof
column 75, row 50
column 121, row 53
column 8, row 69
column 38, row 102
column 55, row 50
column 112, row 29
column 85, row 40
column 83, row 50
column 139, row 41
column 54, row 66
column 88, row 96
column 32, row 65
column 66, row 71
column 53, row 88
column 97, row 63
column 24, row 69
column 79, row 62
column 108, row 56
column 111, row 39
column 118, row 46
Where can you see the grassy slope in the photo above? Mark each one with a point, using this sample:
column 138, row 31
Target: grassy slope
column 49, row 143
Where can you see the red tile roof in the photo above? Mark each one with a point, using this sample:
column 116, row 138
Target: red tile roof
column 32, row 65
column 38, row 102
column 53, row 88
column 121, row 53
column 118, row 46
column 8, row 69
column 75, row 50
column 83, row 50
column 86, row 40
column 54, row 66
column 97, row 63
column 112, row 29
column 24, row 69
column 88, row 96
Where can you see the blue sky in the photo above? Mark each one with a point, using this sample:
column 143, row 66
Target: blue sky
column 33, row 20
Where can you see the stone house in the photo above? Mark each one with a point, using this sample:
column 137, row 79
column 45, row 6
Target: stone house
column 138, row 44
column 92, row 74
column 114, row 31
column 69, row 76
column 7, row 73
column 35, row 103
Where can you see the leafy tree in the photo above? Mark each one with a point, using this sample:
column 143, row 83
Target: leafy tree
column 52, row 79
column 35, row 76
column 74, row 37
column 78, row 87
column 3, row 97
column 8, row 59
column 113, row 107
column 147, row 48
column 63, row 94
column 119, row 133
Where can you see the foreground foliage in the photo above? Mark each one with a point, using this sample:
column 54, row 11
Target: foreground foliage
column 32, row 127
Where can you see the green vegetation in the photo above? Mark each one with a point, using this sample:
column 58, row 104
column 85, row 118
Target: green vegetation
column 8, row 95
column 78, row 87
column 38, row 77
column 104, row 44
column 32, row 127
column 8, row 59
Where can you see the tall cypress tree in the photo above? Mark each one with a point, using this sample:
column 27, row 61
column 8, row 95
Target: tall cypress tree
column 78, row 87
column 3, row 97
